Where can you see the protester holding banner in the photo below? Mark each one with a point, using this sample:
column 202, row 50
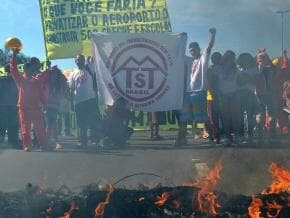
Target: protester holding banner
column 8, row 109
column 82, row 83
column 194, row 107
column 29, row 103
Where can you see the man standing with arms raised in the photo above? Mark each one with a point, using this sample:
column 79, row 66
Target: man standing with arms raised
column 194, row 103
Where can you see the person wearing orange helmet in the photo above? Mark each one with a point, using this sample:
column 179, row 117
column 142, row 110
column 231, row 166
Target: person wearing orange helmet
column 29, row 102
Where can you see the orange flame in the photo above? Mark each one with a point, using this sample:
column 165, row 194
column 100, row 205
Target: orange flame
column 274, row 209
column 281, row 179
column 72, row 208
column 66, row 215
column 254, row 208
column 100, row 209
column 161, row 200
column 207, row 201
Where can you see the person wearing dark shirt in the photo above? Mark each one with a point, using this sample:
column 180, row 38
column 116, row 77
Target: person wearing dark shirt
column 8, row 109
column 116, row 130
column 266, row 90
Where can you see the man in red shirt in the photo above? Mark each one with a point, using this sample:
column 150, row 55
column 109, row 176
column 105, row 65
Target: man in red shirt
column 29, row 103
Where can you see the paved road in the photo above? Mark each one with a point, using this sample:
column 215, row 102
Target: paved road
column 244, row 168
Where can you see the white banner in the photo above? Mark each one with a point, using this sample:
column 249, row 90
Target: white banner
column 146, row 69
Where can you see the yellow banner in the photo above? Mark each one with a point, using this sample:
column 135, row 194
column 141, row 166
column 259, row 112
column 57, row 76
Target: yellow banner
column 68, row 24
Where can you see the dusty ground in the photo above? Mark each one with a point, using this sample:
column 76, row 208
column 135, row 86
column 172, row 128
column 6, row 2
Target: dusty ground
column 244, row 167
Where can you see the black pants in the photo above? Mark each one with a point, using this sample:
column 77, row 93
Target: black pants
column 9, row 122
column 117, row 131
column 88, row 116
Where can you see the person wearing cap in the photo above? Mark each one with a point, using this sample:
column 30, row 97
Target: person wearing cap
column 194, row 103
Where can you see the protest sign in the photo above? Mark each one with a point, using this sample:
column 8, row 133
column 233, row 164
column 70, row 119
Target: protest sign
column 68, row 24
column 145, row 69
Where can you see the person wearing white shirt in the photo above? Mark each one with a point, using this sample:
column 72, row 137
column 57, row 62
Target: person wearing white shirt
column 194, row 101
column 82, row 85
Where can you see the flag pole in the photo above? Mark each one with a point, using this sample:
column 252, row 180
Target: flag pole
column 282, row 12
column 43, row 30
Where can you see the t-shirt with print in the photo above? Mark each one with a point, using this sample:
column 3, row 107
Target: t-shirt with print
column 198, row 78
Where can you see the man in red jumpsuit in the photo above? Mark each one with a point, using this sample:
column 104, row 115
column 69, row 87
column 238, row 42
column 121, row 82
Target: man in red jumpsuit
column 29, row 103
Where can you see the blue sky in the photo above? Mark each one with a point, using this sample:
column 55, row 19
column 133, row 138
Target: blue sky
column 242, row 25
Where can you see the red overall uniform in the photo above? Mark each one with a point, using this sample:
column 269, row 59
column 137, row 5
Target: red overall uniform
column 278, row 84
column 29, row 105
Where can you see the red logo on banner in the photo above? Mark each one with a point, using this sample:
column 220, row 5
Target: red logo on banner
column 139, row 71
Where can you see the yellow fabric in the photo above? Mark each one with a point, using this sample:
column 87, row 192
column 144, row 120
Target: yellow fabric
column 2, row 71
column 67, row 25
column 275, row 61
column 209, row 96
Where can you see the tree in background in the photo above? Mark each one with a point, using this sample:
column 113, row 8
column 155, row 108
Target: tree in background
column 5, row 54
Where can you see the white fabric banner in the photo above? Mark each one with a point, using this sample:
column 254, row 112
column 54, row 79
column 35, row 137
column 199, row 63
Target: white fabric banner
column 146, row 69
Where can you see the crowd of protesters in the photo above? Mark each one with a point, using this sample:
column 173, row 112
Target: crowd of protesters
column 220, row 95
column 232, row 88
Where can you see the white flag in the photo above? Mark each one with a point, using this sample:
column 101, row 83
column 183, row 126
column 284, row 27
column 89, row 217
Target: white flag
column 146, row 69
